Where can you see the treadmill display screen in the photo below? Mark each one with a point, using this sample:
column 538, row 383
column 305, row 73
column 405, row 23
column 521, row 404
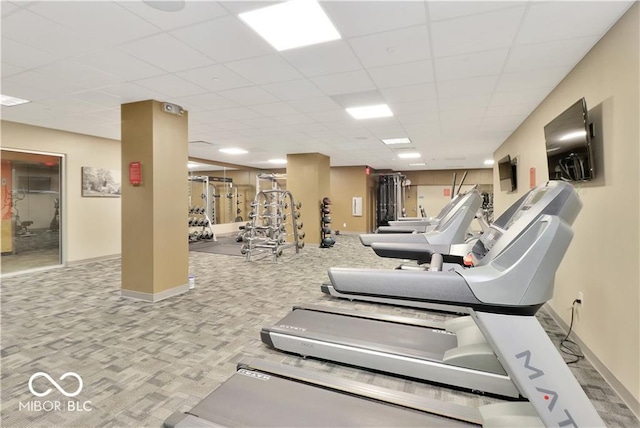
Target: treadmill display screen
column 531, row 200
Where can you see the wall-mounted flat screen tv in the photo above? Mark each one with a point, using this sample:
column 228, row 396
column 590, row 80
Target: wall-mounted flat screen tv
column 568, row 139
column 507, row 174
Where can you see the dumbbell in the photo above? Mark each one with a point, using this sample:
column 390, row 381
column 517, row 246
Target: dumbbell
column 300, row 225
column 299, row 205
column 301, row 235
column 244, row 249
column 296, row 214
column 300, row 244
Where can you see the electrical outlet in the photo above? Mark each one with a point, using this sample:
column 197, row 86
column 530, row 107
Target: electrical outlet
column 581, row 298
column 344, row 224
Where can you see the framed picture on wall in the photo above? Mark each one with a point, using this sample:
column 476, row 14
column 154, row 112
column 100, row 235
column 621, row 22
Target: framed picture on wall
column 101, row 182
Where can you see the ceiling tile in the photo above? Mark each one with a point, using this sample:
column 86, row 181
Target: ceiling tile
column 224, row 39
column 381, row 16
column 170, row 85
column 461, row 103
column 106, row 21
column 274, row 109
column 412, row 74
column 45, row 35
column 344, row 83
column 476, row 33
column 9, row 69
column 22, row 55
column 531, row 79
column 325, row 58
column 239, row 113
column 17, row 89
column 193, row 12
column 510, row 110
column 208, row 101
column 567, row 19
column 167, row 53
column 214, row 78
column 409, row 93
column 296, row 119
column 249, row 96
column 464, row 87
column 470, row 65
column 308, row 105
column 330, row 116
column 8, row 7
column 129, row 92
column 439, row 10
column 208, row 117
column 265, row 69
column 293, row 89
column 520, row 96
column 552, row 54
column 239, row 6
column 118, row 63
column 98, row 97
column 393, row 47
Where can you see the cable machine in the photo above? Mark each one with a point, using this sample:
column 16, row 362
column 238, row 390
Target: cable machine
column 391, row 196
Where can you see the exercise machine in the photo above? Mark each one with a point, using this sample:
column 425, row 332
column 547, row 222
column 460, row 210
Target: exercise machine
column 450, row 227
column 513, row 273
column 529, row 358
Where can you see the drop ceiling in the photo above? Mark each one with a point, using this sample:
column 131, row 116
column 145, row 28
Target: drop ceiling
column 459, row 76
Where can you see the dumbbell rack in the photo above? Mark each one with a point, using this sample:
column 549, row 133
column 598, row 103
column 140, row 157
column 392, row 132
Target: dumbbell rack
column 326, row 241
column 201, row 214
column 267, row 232
column 200, row 225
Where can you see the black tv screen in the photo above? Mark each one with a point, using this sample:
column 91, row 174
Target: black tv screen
column 568, row 140
column 507, row 174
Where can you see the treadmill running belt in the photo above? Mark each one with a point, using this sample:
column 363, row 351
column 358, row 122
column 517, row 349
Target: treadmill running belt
column 251, row 398
column 416, row 341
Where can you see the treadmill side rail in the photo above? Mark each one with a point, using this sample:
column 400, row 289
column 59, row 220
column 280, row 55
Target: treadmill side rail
column 535, row 365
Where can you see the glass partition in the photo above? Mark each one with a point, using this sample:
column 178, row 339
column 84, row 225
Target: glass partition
column 31, row 210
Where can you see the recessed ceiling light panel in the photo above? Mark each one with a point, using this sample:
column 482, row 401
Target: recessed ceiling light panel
column 292, row 24
column 489, row 162
column 278, row 161
column 370, row 112
column 409, row 155
column 233, row 151
column 9, row 101
column 390, row 141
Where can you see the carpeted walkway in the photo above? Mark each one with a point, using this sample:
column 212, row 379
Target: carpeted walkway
column 140, row 362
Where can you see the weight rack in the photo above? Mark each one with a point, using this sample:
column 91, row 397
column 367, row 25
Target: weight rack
column 267, row 233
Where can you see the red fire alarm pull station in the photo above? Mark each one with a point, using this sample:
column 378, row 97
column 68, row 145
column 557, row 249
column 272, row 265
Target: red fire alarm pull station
column 135, row 173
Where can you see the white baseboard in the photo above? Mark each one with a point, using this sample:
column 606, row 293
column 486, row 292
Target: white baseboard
column 618, row 387
column 93, row 259
column 154, row 297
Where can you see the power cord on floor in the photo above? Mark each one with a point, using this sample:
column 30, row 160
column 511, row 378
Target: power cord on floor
column 568, row 346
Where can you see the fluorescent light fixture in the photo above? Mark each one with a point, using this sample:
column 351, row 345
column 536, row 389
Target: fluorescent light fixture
column 409, row 155
column 166, row 5
column 573, row 135
column 278, row 161
column 292, row 24
column 370, row 112
column 390, row 141
column 489, row 162
column 8, row 101
column 233, row 151
column 418, row 164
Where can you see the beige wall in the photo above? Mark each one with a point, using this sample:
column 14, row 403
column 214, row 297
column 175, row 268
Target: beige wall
column 603, row 259
column 90, row 226
column 347, row 183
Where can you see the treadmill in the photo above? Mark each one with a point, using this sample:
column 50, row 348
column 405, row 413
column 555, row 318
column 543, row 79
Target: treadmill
column 380, row 286
column 262, row 393
column 450, row 228
column 514, row 276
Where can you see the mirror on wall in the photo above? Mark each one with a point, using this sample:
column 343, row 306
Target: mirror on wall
column 31, row 211
column 230, row 190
